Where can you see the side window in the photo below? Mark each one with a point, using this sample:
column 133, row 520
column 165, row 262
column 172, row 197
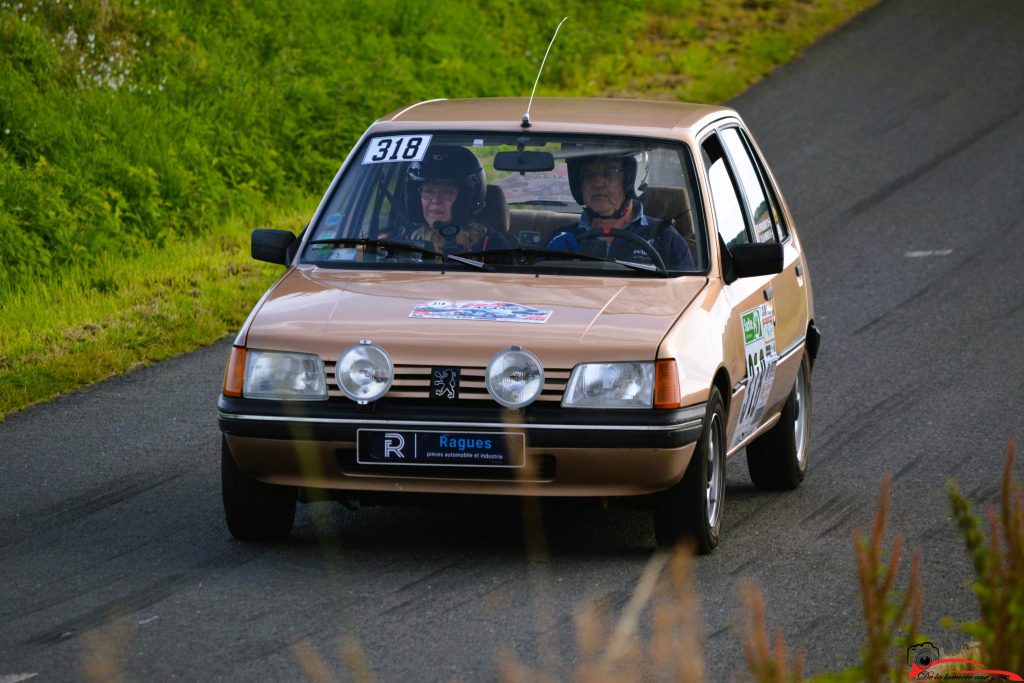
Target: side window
column 754, row 196
column 773, row 195
column 728, row 212
column 361, row 208
column 380, row 217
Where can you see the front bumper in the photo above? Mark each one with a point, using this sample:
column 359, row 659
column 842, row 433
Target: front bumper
column 568, row 452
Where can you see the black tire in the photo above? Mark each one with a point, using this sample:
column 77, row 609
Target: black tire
column 692, row 509
column 254, row 511
column 777, row 460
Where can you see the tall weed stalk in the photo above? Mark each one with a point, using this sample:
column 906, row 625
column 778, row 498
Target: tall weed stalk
column 886, row 613
column 767, row 662
column 621, row 653
column 999, row 570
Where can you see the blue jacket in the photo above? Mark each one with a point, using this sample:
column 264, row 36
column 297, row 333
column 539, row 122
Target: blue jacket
column 670, row 244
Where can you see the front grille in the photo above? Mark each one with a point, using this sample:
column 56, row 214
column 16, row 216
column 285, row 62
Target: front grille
column 413, row 381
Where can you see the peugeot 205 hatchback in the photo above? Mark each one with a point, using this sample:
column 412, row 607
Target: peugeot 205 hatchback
column 602, row 298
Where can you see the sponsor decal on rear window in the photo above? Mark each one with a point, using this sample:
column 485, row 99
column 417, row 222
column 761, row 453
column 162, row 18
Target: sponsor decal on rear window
column 496, row 311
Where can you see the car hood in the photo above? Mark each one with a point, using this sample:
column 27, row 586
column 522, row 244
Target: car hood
column 588, row 318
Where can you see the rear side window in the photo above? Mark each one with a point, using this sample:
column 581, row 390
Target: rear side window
column 754, row 196
column 782, row 232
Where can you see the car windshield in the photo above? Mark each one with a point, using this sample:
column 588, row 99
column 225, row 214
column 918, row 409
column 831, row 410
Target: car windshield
column 514, row 202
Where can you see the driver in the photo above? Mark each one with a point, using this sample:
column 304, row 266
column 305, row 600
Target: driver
column 607, row 187
column 444, row 194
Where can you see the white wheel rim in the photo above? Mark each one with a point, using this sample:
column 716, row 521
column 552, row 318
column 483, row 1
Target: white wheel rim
column 800, row 418
column 716, row 477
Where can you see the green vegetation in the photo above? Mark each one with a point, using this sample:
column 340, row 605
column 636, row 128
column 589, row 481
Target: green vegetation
column 999, row 567
column 141, row 138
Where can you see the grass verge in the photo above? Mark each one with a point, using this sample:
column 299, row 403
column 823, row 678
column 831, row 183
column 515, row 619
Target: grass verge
column 98, row 321
column 700, row 51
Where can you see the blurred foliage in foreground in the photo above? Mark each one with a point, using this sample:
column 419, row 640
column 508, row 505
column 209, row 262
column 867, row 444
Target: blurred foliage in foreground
column 659, row 633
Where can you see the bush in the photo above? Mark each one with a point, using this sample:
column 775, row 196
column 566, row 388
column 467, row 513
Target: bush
column 123, row 123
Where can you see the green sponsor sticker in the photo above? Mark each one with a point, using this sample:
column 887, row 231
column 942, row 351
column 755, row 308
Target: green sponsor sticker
column 751, row 325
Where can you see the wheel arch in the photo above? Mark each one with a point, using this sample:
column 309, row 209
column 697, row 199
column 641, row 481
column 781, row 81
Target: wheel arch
column 813, row 342
column 721, row 381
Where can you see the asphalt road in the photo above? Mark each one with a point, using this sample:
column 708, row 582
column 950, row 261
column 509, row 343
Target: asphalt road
column 899, row 143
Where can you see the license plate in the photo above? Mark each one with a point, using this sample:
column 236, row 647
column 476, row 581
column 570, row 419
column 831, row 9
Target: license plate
column 450, row 449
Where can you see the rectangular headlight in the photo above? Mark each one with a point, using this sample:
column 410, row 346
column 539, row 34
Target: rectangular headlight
column 284, row 376
column 610, row 385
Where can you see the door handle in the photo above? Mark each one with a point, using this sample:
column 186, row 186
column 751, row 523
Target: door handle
column 799, row 270
column 767, row 293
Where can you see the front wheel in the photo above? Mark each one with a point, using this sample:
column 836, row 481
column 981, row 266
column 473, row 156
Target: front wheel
column 777, row 460
column 255, row 511
column 692, row 509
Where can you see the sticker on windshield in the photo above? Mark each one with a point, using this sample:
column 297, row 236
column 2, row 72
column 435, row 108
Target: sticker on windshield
column 759, row 348
column 396, row 148
column 498, row 311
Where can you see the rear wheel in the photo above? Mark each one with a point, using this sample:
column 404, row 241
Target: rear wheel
column 692, row 509
column 777, row 460
column 255, row 511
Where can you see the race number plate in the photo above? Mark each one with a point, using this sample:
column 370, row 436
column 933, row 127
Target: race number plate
column 452, row 449
column 396, row 148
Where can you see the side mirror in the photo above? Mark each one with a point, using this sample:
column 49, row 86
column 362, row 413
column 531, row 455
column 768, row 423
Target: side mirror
column 749, row 260
column 273, row 246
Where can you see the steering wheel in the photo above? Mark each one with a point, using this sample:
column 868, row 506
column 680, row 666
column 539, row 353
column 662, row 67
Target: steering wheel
column 449, row 232
column 632, row 238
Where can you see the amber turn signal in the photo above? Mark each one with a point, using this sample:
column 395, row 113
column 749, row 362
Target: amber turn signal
column 666, row 384
column 235, row 373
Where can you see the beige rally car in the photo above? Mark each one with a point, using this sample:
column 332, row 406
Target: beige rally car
column 599, row 298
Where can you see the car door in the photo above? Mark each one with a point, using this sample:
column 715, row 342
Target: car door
column 751, row 349
column 749, row 333
column 786, row 291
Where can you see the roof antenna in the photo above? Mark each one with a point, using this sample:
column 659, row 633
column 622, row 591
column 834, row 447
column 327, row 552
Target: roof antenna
column 526, row 116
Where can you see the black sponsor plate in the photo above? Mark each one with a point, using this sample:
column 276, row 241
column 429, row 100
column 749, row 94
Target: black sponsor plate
column 468, row 449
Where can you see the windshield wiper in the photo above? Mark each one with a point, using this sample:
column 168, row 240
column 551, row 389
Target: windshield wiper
column 544, row 253
column 649, row 267
column 460, row 258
